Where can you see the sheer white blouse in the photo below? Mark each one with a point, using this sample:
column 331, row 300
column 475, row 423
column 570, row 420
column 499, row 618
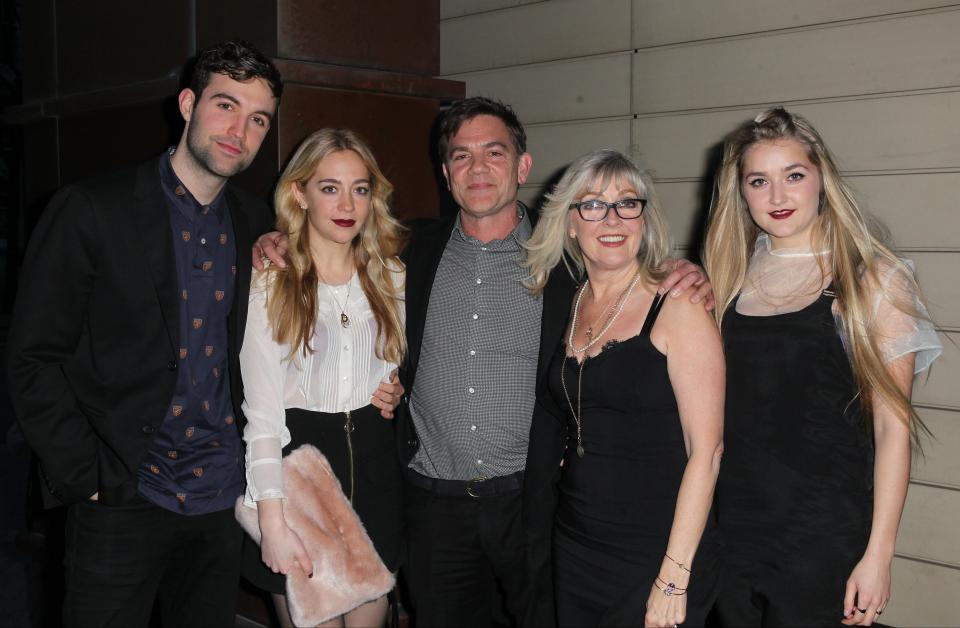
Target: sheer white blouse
column 340, row 375
column 787, row 280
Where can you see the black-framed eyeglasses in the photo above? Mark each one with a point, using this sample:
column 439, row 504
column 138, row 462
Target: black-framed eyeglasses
column 595, row 210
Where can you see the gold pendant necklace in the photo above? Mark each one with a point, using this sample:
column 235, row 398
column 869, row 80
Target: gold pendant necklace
column 611, row 318
column 344, row 319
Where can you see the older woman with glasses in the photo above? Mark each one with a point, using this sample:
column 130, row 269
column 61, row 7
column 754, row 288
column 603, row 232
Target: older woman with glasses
column 637, row 386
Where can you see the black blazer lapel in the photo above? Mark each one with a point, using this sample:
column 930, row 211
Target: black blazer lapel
column 422, row 259
column 243, row 240
column 151, row 218
column 557, row 298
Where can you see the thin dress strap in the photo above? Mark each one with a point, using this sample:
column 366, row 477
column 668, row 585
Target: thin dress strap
column 652, row 314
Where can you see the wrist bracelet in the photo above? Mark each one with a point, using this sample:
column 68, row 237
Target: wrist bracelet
column 678, row 563
column 669, row 588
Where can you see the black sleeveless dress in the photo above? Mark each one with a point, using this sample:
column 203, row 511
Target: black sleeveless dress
column 617, row 502
column 794, row 497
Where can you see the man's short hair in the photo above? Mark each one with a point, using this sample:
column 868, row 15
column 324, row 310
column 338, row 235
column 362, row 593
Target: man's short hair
column 237, row 59
column 470, row 108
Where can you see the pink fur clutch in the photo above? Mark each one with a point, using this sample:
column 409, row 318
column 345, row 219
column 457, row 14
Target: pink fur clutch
column 347, row 571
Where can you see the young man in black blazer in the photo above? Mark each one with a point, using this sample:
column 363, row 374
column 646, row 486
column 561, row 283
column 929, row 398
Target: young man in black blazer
column 123, row 358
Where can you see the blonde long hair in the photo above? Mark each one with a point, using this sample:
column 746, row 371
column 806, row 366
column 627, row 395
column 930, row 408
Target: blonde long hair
column 549, row 244
column 855, row 245
column 292, row 291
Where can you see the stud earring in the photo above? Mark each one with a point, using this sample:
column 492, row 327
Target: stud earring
column 573, row 234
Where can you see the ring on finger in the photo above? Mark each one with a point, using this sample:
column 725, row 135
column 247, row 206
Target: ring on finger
column 879, row 611
column 861, row 610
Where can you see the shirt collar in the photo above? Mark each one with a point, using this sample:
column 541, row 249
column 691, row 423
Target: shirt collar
column 520, row 233
column 180, row 197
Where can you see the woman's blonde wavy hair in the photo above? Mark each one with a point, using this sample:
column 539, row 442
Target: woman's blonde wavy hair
column 855, row 245
column 292, row 291
column 550, row 244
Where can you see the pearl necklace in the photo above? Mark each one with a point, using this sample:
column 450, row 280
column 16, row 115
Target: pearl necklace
column 611, row 318
column 621, row 300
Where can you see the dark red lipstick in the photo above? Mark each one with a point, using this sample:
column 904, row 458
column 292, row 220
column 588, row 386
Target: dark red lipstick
column 781, row 214
column 345, row 222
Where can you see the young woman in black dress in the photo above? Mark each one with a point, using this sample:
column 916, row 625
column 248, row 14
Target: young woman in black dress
column 324, row 334
column 638, row 386
column 823, row 331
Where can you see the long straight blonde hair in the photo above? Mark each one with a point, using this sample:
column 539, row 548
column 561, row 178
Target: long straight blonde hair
column 292, row 291
column 855, row 245
column 549, row 244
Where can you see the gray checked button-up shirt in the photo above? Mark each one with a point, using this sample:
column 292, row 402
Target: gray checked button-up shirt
column 473, row 398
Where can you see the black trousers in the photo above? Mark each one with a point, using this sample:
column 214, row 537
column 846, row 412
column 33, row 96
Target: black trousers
column 465, row 558
column 119, row 559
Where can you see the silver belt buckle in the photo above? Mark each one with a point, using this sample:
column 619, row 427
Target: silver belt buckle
column 476, row 480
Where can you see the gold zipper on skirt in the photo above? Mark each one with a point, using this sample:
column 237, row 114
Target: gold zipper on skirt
column 348, row 429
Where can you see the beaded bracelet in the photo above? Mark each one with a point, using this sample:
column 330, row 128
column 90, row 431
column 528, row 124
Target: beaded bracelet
column 678, row 563
column 669, row 588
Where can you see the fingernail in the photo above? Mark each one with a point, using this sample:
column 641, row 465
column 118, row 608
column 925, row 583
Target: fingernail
column 675, row 293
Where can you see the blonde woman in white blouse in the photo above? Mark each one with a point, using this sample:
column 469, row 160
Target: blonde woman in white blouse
column 324, row 331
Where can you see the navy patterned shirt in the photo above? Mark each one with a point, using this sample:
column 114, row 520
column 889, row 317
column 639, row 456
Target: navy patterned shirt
column 195, row 463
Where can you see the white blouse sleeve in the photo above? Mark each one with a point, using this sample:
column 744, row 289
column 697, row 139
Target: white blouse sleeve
column 263, row 368
column 900, row 319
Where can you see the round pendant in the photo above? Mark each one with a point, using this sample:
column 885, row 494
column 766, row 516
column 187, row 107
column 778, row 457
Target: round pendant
column 580, row 450
column 344, row 320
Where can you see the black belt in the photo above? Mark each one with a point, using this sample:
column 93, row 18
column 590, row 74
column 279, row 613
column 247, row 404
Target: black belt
column 476, row 488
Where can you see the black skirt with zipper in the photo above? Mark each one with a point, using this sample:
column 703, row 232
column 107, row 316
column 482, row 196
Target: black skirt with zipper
column 364, row 459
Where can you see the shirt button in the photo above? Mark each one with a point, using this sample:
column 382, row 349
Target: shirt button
column 171, row 366
column 479, row 280
column 346, row 348
column 473, row 428
column 472, row 352
column 344, row 378
column 148, row 429
column 483, row 248
column 204, row 241
column 476, row 316
column 479, row 461
column 471, row 390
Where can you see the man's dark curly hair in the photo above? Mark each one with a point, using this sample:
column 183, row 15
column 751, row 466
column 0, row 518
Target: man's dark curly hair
column 470, row 108
column 237, row 59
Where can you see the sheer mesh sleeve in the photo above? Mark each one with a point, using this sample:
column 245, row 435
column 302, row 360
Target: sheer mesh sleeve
column 900, row 319
column 263, row 370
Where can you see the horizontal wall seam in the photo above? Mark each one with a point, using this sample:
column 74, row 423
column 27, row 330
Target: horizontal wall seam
column 529, row 3
column 935, row 406
column 939, row 485
column 847, row 174
column 929, row 249
column 575, row 121
column 633, row 49
column 752, row 107
column 928, row 561
column 913, row 249
column 456, row 76
column 774, row 32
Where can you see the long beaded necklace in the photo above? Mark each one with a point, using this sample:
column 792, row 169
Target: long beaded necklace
column 611, row 318
column 344, row 319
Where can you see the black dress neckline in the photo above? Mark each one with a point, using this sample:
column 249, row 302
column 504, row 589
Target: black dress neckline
column 656, row 304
